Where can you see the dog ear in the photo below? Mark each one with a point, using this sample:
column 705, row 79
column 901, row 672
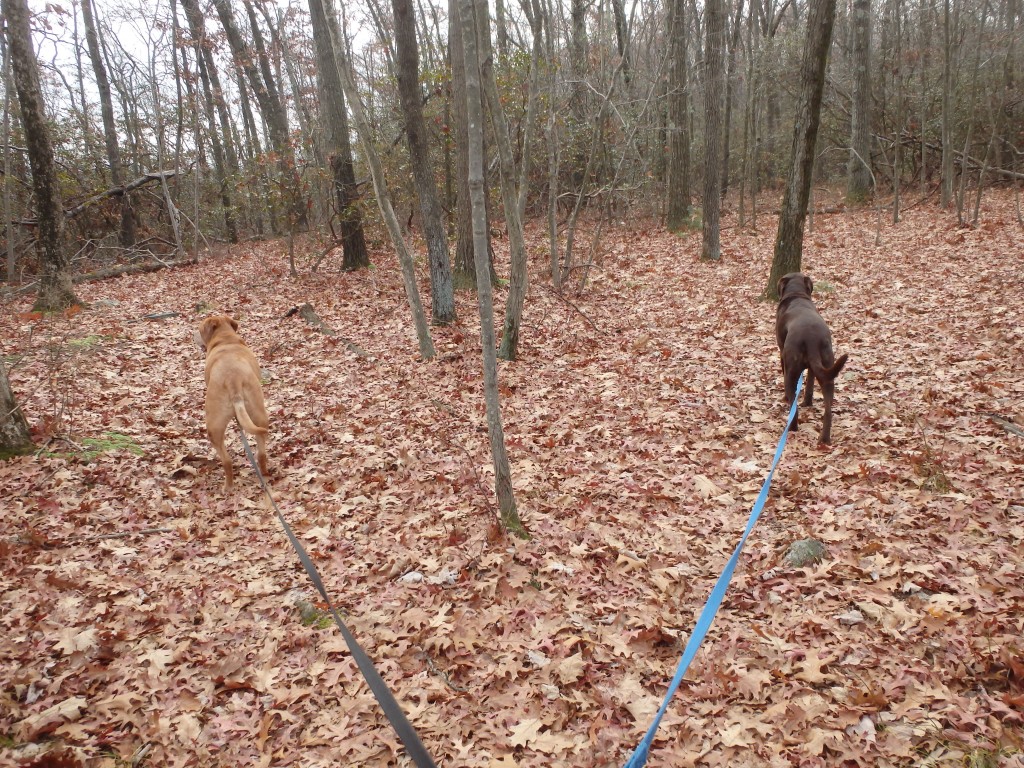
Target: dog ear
column 782, row 285
column 206, row 330
column 810, row 285
column 234, row 323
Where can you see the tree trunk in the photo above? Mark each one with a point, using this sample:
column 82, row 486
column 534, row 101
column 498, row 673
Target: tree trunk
column 465, row 267
column 502, row 471
column 714, row 51
column 500, row 31
column 261, row 81
column 748, row 175
column 407, row 71
column 897, row 159
column 14, row 435
column 622, row 37
column 224, row 159
column 334, row 118
column 464, row 272
column 948, row 150
column 127, row 235
column 380, row 188
column 8, row 151
column 579, row 69
column 250, row 145
column 509, row 194
column 551, row 136
column 790, row 237
column 677, row 131
column 858, row 185
column 55, row 292
column 730, row 78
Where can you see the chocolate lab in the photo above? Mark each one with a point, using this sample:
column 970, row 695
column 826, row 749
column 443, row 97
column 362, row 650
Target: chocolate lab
column 805, row 343
column 233, row 390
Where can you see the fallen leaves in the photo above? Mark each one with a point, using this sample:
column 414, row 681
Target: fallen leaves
column 142, row 609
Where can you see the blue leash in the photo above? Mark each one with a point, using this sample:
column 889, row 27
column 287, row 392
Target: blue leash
column 714, row 601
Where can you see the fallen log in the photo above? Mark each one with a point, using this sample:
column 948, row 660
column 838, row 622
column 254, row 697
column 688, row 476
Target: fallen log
column 133, row 269
column 142, row 181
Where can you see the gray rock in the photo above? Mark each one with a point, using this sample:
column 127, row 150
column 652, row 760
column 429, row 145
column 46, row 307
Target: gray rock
column 805, row 552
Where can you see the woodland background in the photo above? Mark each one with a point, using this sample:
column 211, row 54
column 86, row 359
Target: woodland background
column 273, row 156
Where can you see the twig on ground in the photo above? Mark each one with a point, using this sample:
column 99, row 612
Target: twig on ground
column 1006, row 424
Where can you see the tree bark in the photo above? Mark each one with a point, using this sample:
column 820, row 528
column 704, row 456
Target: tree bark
column 224, row 159
column 730, row 77
column 946, row 194
column 622, row 37
column 518, row 282
column 502, row 471
column 260, row 79
column 380, row 188
column 790, row 237
column 55, row 292
column 858, row 185
column 714, row 52
column 127, row 234
column 334, row 117
column 407, row 71
column 14, row 435
column 465, row 266
column 677, row 131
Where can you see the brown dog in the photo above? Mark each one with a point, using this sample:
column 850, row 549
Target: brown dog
column 232, row 390
column 805, row 343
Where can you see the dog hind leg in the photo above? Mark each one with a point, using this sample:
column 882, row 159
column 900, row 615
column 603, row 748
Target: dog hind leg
column 827, row 393
column 792, row 376
column 216, row 432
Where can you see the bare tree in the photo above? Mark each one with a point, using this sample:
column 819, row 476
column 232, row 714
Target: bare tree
column 502, row 471
column 714, row 52
column 509, row 194
column 735, row 38
column 334, row 117
column 790, row 237
column 55, row 292
column 677, row 130
column 380, row 188
column 858, row 185
column 464, row 267
column 948, row 65
column 109, row 126
column 218, row 124
column 261, row 80
column 408, row 74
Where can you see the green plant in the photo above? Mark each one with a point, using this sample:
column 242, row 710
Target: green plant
column 93, row 447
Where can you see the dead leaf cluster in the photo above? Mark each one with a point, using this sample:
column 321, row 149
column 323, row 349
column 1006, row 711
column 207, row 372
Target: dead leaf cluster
column 142, row 609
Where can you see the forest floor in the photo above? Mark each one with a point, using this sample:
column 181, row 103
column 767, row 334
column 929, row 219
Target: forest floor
column 142, row 607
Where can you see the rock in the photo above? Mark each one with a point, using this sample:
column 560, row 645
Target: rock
column 805, row 552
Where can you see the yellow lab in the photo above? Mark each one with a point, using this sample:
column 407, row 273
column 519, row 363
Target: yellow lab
column 232, row 390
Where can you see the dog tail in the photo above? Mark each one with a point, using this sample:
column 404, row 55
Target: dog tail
column 837, row 367
column 243, row 418
column 820, row 372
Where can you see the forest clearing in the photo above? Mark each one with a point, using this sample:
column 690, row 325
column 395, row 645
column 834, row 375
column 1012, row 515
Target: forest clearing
column 143, row 608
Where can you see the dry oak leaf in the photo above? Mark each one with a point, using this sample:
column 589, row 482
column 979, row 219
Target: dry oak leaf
column 706, row 487
column 810, row 669
column 36, row 725
column 528, row 734
column 73, row 640
column 736, row 735
column 637, row 701
column 570, row 669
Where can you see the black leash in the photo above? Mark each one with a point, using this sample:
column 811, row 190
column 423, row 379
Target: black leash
column 410, row 739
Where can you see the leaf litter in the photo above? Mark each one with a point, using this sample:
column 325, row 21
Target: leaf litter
column 143, row 613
